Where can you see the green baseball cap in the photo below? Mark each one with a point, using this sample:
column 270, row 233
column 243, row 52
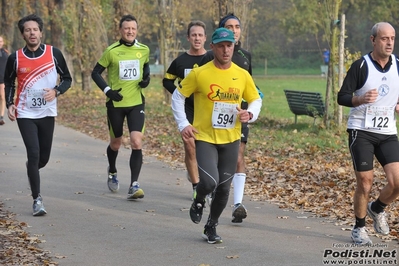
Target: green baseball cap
column 223, row 35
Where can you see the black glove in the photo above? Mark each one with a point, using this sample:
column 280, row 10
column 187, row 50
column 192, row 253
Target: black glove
column 144, row 82
column 114, row 95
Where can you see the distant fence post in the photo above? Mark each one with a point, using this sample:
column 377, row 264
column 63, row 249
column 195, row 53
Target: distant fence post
column 265, row 66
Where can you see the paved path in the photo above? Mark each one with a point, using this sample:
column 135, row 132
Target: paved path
column 91, row 226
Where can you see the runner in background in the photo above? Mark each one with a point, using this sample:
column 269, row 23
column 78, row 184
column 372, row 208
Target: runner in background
column 127, row 62
column 178, row 70
column 3, row 60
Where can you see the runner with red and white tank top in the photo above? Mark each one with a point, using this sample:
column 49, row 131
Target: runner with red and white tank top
column 36, row 68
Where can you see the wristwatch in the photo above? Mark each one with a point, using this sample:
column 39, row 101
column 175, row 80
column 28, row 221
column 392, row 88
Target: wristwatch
column 250, row 115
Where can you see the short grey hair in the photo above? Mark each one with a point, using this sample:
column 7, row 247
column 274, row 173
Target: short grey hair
column 376, row 28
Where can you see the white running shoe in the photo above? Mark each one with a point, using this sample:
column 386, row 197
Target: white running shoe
column 239, row 213
column 360, row 236
column 379, row 221
column 38, row 207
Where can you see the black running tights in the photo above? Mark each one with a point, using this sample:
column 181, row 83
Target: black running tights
column 37, row 135
column 216, row 165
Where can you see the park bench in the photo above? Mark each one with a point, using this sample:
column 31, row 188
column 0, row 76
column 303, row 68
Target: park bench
column 156, row 70
column 305, row 103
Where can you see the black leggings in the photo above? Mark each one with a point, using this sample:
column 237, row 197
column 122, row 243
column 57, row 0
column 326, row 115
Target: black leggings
column 216, row 165
column 37, row 135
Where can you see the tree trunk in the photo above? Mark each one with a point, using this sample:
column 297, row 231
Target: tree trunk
column 341, row 64
column 7, row 22
column 86, row 80
column 333, row 63
column 119, row 7
column 168, row 19
column 56, row 30
column 222, row 11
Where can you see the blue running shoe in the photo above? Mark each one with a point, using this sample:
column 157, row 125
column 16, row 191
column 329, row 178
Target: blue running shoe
column 112, row 181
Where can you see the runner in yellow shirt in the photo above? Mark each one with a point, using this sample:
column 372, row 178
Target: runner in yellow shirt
column 218, row 87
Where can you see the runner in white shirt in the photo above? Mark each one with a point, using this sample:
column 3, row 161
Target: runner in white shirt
column 371, row 89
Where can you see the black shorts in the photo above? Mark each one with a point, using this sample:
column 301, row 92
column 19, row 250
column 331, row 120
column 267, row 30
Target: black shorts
column 135, row 118
column 364, row 145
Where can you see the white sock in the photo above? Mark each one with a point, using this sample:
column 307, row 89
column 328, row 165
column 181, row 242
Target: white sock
column 239, row 184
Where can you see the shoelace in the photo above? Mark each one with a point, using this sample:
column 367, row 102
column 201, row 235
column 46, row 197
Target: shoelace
column 38, row 200
column 362, row 232
column 382, row 218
